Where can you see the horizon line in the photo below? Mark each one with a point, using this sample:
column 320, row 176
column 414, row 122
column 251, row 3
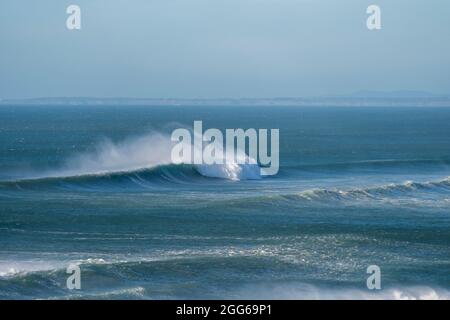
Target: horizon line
column 366, row 94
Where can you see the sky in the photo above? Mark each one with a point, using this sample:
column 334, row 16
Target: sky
column 222, row 48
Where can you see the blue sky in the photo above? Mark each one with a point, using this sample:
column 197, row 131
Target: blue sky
column 222, row 48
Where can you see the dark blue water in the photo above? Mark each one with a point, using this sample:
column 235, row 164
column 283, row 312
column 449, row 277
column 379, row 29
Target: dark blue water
column 91, row 185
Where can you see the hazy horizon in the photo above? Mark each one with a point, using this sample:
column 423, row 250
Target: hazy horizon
column 365, row 94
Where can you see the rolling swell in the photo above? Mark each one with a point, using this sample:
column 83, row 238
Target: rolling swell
column 408, row 189
column 142, row 178
column 434, row 193
column 145, row 178
column 165, row 177
column 114, row 275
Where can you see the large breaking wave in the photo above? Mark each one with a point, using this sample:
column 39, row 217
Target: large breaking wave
column 139, row 161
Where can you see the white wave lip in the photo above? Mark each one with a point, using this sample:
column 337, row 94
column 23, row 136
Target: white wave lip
column 231, row 171
column 244, row 168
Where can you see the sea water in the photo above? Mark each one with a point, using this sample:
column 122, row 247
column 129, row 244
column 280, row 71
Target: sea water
column 94, row 186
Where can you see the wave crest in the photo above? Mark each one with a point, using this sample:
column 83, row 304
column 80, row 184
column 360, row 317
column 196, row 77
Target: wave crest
column 138, row 161
column 372, row 193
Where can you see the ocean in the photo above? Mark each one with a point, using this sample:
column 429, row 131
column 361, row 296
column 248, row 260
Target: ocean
column 92, row 186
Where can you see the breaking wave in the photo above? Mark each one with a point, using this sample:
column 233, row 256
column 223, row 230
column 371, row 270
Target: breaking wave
column 140, row 162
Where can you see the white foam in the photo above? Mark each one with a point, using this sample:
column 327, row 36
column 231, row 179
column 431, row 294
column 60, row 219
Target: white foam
column 232, row 171
column 312, row 292
column 17, row 268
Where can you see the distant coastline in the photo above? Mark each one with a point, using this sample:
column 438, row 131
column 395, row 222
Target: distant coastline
column 359, row 99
